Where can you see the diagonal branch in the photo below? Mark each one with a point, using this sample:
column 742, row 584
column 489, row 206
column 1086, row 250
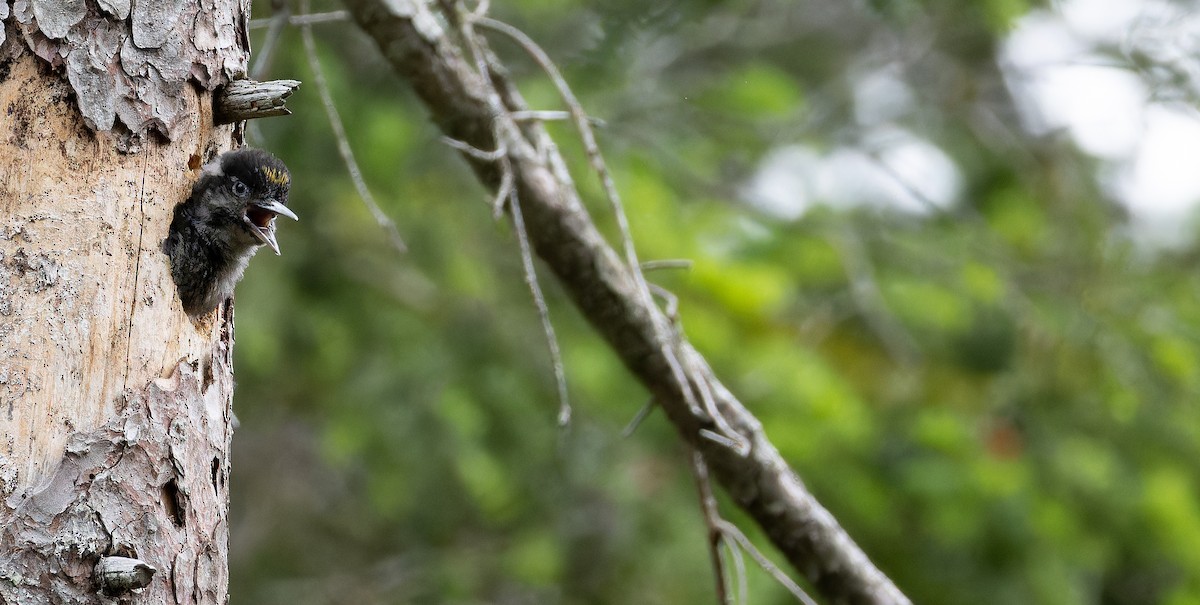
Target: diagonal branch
column 414, row 41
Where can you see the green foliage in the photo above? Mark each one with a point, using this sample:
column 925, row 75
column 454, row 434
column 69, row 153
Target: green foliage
column 998, row 400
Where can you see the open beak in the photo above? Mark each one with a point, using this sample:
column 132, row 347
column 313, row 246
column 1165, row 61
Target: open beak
column 260, row 219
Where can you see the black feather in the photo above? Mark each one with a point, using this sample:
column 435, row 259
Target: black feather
column 210, row 240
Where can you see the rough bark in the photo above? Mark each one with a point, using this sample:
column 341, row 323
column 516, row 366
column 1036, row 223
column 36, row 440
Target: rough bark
column 413, row 40
column 114, row 406
column 130, row 64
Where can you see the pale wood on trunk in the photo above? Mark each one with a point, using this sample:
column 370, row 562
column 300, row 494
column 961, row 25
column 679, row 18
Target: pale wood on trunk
column 115, row 416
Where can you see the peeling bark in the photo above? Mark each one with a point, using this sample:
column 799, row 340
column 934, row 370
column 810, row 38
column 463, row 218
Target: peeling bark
column 128, row 62
column 150, row 483
column 115, row 415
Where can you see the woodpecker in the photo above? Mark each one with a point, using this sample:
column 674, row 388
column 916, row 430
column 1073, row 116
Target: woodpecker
column 227, row 218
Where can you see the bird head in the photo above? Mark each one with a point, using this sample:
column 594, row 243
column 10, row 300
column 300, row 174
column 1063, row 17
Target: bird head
column 245, row 190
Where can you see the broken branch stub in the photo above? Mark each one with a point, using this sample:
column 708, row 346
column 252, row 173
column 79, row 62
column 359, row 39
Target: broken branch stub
column 117, row 575
column 248, row 99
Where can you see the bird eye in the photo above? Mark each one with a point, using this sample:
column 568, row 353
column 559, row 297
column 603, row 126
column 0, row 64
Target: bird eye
column 240, row 189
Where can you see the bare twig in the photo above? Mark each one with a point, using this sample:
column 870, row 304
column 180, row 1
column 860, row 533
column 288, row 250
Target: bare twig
column 531, row 280
column 701, row 375
column 712, row 520
column 698, row 372
column 306, row 19
column 545, row 115
column 739, row 571
column 904, row 183
column 552, row 115
column 506, row 191
column 668, row 297
column 596, row 159
column 638, row 418
column 503, row 193
column 581, row 123
column 479, row 154
column 731, row 531
column 719, row 438
column 677, row 263
column 343, row 143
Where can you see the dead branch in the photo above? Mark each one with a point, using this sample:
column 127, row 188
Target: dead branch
column 609, row 294
column 712, row 519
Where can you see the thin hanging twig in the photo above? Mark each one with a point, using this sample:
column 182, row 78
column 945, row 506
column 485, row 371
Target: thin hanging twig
column 343, row 143
column 596, row 159
column 712, row 520
column 531, row 280
column 581, row 123
column 731, row 531
column 638, row 418
column 507, row 193
column 739, row 572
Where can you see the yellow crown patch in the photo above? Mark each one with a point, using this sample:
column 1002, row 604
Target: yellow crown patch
column 274, row 175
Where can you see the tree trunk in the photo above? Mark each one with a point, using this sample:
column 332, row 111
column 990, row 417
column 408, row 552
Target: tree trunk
column 115, row 416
